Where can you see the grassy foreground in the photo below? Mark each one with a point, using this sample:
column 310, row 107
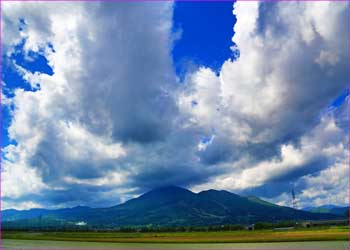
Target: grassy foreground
column 325, row 234
column 51, row 245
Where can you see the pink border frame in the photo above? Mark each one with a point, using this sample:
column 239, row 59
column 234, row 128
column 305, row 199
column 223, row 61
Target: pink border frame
column 1, row 124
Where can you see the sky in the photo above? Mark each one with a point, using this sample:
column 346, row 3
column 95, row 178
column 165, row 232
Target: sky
column 102, row 102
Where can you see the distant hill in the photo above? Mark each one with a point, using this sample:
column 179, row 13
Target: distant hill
column 168, row 206
column 328, row 209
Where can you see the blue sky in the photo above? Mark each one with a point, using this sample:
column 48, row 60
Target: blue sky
column 204, row 95
column 206, row 30
column 34, row 62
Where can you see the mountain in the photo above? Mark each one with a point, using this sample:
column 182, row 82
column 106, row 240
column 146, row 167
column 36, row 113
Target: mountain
column 170, row 206
column 342, row 211
column 329, row 209
column 13, row 214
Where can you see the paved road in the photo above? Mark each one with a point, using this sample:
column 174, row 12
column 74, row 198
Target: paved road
column 57, row 245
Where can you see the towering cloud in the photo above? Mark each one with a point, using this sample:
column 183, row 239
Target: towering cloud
column 113, row 121
column 269, row 107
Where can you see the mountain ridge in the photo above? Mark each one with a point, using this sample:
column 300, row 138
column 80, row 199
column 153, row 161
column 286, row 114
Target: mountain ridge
column 173, row 206
column 328, row 209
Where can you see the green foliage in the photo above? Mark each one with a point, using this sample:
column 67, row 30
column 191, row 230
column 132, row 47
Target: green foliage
column 300, row 234
column 280, row 224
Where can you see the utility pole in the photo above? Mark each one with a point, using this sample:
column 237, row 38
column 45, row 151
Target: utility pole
column 294, row 200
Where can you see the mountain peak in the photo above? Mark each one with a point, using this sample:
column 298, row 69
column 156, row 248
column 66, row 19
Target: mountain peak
column 168, row 191
column 169, row 188
column 214, row 191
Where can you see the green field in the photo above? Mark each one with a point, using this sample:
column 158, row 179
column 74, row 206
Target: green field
column 64, row 245
column 298, row 235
